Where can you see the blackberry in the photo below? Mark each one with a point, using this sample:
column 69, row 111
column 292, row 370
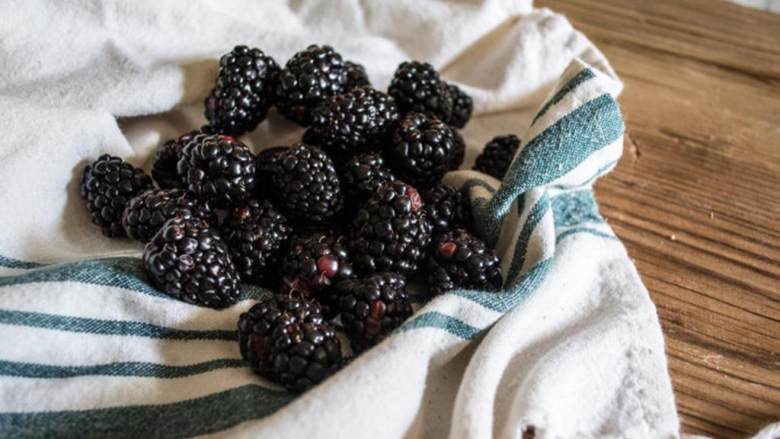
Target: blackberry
column 462, row 107
column 306, row 185
column 287, row 341
column 352, row 122
column 372, row 307
column 219, row 169
column 390, row 232
column 460, row 151
column 497, row 156
column 362, row 175
column 189, row 261
column 421, row 150
column 164, row 168
column 308, row 78
column 265, row 165
column 244, row 90
column 146, row 213
column 460, row 260
column 107, row 184
column 313, row 263
column 256, row 234
column 417, row 87
column 356, row 75
column 447, row 208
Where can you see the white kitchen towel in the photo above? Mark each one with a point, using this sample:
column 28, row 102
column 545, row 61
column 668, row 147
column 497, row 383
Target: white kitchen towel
column 571, row 347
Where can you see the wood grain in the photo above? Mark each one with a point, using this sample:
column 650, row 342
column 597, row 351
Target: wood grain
column 696, row 196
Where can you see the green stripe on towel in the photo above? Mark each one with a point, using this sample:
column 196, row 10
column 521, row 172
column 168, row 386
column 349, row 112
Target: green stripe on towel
column 16, row 263
column 108, row 327
column 208, row 414
column 131, row 368
column 521, row 247
column 435, row 319
column 579, row 78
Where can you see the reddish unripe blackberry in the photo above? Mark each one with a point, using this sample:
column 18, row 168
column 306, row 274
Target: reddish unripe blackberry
column 107, row 185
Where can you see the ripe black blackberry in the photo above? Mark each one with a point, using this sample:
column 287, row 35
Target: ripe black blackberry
column 306, row 185
column 107, row 184
column 497, row 156
column 356, row 75
column 372, row 307
column 313, row 263
column 462, row 106
column 460, row 260
column 362, row 175
column 265, row 165
column 189, row 261
column 146, row 213
column 355, row 121
column 256, row 234
column 244, row 90
column 168, row 154
column 421, row 150
column 447, row 208
column 417, row 87
column 390, row 232
column 309, row 77
column 286, row 340
column 218, row 168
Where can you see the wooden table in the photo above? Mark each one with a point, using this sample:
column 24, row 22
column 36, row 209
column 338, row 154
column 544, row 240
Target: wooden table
column 696, row 197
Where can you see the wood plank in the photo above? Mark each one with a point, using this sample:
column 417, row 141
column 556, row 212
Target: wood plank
column 696, row 196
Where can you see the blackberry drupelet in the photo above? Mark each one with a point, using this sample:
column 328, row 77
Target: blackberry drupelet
column 107, row 184
column 353, row 122
column 189, row 261
column 497, row 156
column 146, row 213
column 256, row 234
column 308, row 78
column 460, row 151
column 164, row 168
column 372, row 307
column 306, row 185
column 447, row 208
column 286, row 340
column 462, row 106
column 390, row 232
column 356, row 75
column 421, row 150
column 417, row 87
column 313, row 263
column 244, row 90
column 362, row 175
column 218, row 168
column 460, row 260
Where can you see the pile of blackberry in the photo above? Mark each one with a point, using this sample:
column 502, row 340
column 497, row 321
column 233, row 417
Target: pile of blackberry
column 336, row 226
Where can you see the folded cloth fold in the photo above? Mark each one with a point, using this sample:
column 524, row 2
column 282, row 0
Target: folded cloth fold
column 571, row 347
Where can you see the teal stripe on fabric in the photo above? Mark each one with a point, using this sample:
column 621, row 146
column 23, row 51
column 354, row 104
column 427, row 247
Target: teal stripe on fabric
column 16, row 263
column 509, row 298
column 108, row 327
column 602, row 170
column 121, row 272
column 579, row 78
column 573, row 208
column 208, row 414
column 587, row 230
column 435, row 319
column 536, row 214
column 559, row 149
column 132, row 368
